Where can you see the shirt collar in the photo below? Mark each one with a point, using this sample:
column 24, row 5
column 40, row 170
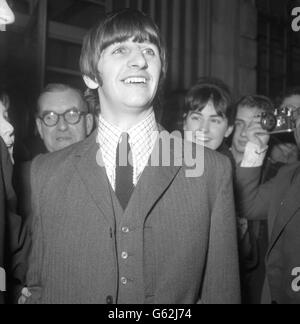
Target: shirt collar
column 140, row 134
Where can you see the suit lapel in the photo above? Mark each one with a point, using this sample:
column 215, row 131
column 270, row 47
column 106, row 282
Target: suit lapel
column 153, row 183
column 90, row 167
column 291, row 204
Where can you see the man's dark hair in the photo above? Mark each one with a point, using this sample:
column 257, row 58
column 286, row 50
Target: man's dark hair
column 116, row 28
column 92, row 99
column 210, row 89
column 256, row 101
column 294, row 91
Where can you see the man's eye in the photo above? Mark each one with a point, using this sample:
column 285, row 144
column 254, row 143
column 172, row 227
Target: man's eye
column 216, row 121
column 73, row 112
column 120, row 50
column 149, row 51
column 195, row 117
column 49, row 116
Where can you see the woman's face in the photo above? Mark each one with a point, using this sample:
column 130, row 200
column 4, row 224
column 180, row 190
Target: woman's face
column 6, row 129
column 207, row 128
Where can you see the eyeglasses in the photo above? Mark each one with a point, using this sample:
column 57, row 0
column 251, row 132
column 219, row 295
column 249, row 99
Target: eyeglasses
column 71, row 117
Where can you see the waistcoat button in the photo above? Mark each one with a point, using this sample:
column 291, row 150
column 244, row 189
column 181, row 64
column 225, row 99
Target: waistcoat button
column 124, row 255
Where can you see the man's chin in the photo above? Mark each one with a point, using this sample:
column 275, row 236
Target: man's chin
column 239, row 149
column 60, row 145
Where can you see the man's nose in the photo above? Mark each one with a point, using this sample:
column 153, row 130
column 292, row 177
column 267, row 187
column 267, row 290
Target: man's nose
column 244, row 130
column 204, row 126
column 138, row 60
column 62, row 125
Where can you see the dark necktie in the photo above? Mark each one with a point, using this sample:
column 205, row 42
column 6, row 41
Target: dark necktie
column 124, row 171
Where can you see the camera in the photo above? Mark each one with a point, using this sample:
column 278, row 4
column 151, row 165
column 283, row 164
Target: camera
column 283, row 120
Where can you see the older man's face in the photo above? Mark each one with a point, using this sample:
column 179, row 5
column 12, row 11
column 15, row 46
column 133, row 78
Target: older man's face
column 294, row 103
column 63, row 134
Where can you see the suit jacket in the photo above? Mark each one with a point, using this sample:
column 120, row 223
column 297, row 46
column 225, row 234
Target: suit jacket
column 179, row 233
column 12, row 233
column 279, row 201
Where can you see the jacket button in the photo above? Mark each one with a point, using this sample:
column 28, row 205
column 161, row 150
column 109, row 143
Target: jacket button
column 124, row 281
column 125, row 229
column 109, row 300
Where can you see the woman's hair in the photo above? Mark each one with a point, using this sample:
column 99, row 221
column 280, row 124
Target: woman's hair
column 210, row 89
column 4, row 98
column 116, row 28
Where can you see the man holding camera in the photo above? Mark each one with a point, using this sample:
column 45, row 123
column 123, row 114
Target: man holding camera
column 278, row 201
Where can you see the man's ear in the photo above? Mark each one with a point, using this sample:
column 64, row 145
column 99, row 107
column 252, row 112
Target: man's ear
column 90, row 83
column 39, row 127
column 89, row 124
column 229, row 131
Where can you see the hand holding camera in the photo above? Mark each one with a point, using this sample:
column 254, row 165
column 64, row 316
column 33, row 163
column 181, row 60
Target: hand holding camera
column 256, row 134
column 283, row 120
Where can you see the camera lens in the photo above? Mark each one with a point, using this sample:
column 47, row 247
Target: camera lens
column 268, row 122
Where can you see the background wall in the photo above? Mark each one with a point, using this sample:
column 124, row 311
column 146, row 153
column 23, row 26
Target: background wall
column 229, row 39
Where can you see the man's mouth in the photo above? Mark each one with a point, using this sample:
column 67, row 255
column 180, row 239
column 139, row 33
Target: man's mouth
column 135, row 80
column 62, row 139
column 242, row 143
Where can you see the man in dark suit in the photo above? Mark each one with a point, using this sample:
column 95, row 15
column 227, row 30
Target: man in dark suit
column 279, row 201
column 13, row 243
column 12, row 237
column 107, row 227
column 5, row 170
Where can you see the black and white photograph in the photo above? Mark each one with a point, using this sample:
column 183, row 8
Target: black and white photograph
column 149, row 154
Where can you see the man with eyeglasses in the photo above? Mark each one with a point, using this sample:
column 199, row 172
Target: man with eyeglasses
column 63, row 118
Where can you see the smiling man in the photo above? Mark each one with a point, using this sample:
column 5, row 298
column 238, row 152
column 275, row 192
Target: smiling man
column 248, row 108
column 132, row 233
column 63, row 118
